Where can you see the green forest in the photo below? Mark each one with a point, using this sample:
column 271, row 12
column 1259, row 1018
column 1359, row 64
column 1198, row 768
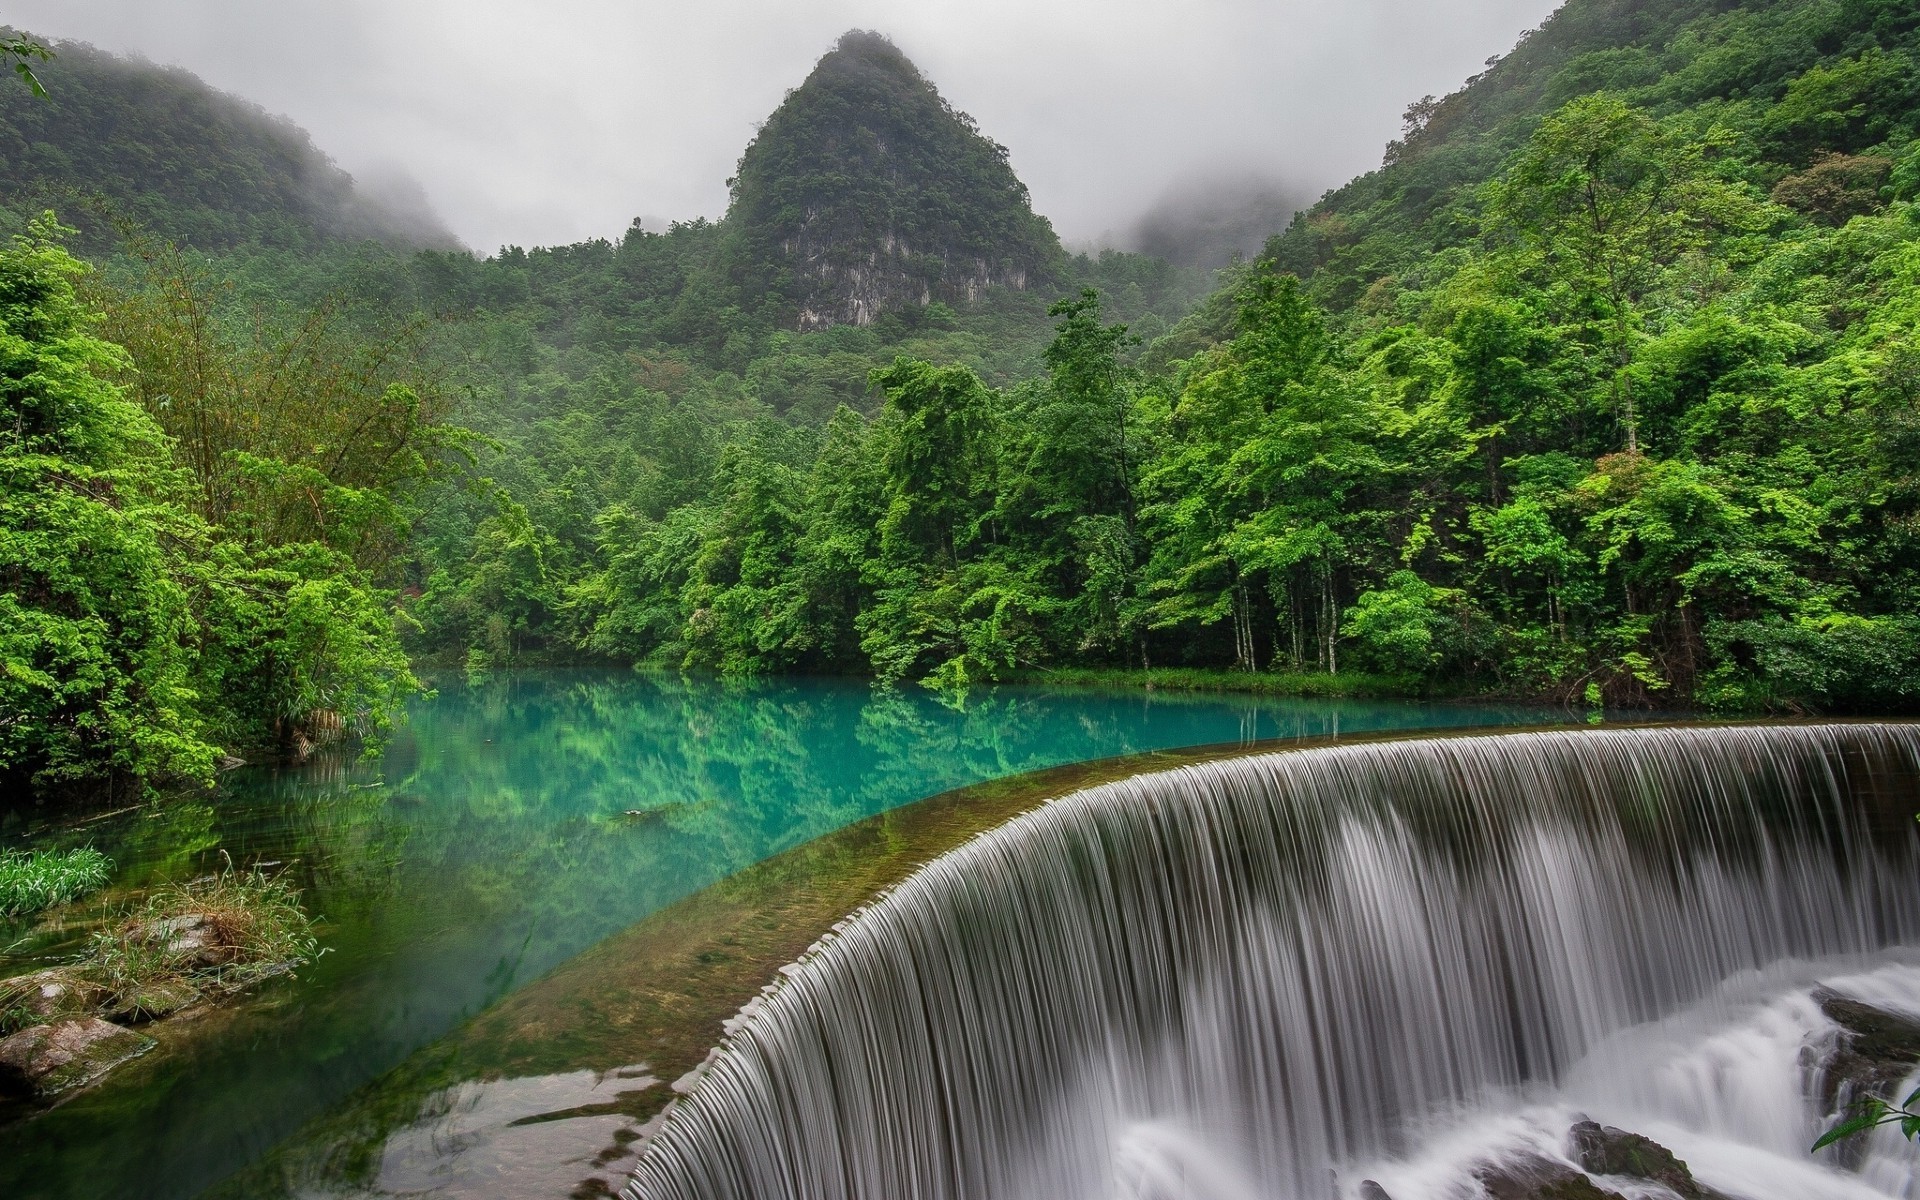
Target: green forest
column 1603, row 389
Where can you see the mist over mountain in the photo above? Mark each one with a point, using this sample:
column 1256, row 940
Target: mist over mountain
column 1209, row 222
column 125, row 141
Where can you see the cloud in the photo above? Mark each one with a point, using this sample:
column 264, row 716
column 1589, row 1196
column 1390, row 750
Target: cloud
column 545, row 123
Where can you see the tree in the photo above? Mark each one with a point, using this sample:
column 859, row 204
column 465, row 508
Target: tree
column 1600, row 201
column 96, row 674
column 937, row 456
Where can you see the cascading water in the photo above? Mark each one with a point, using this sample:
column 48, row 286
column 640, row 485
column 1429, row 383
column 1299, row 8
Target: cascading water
column 1291, row 974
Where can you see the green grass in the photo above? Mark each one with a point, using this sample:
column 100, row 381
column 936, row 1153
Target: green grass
column 1351, row 685
column 30, row 882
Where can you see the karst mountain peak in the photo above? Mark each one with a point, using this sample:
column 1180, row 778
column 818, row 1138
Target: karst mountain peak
column 865, row 190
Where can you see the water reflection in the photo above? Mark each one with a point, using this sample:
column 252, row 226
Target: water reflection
column 515, row 822
column 543, row 1135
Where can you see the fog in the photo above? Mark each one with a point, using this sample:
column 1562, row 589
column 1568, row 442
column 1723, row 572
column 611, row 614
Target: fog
column 536, row 124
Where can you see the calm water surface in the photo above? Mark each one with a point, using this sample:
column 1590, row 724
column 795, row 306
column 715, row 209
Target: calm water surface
column 492, row 841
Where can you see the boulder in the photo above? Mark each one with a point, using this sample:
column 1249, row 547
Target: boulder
column 1875, row 1051
column 1371, row 1190
column 1604, row 1150
column 1534, row 1178
column 45, row 1062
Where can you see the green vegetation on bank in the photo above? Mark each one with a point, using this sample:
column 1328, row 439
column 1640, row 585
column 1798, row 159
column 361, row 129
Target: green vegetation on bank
column 40, row 879
column 1348, row 685
column 192, row 573
column 1602, row 389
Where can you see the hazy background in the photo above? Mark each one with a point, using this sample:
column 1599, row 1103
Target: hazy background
column 1133, row 123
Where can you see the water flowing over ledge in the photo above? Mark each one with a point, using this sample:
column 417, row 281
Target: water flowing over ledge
column 1283, row 974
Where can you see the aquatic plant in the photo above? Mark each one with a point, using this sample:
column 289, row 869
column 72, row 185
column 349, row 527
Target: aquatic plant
column 41, row 879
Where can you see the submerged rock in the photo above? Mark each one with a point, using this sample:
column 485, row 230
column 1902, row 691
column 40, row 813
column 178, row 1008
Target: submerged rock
column 1369, row 1189
column 1535, row 1178
column 47, row 1061
column 1605, row 1150
column 1876, row 1050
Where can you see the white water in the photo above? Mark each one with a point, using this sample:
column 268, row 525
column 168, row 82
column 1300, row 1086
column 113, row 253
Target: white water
column 1279, row 976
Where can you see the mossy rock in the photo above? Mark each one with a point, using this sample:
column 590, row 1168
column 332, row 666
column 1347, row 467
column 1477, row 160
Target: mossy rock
column 45, row 1062
column 155, row 998
column 1605, row 1150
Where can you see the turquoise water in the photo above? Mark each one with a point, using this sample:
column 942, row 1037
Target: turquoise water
column 492, row 841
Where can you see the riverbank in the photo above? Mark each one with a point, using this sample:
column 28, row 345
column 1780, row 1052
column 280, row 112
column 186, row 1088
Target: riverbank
column 1353, row 685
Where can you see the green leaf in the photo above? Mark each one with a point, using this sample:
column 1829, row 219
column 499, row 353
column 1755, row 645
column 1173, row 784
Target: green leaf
column 1861, row 1121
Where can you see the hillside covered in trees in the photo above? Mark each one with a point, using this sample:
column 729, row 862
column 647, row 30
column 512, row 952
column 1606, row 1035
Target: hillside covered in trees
column 119, row 141
column 1603, row 388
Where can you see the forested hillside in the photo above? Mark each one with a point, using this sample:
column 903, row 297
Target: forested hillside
column 1595, row 392
column 116, row 140
column 1603, row 388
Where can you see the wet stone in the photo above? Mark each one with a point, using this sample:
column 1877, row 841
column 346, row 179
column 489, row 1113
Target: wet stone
column 1371, row 1190
column 154, row 999
column 1536, row 1178
column 1604, row 1150
column 45, row 1061
column 1876, row 1049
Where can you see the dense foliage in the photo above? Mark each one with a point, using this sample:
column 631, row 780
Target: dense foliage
column 146, row 619
column 1612, row 401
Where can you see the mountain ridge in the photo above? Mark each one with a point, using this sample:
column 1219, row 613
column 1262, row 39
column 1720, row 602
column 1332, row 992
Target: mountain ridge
column 121, row 139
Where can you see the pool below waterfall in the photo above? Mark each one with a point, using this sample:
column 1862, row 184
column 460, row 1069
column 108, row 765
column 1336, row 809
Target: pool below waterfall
column 511, row 824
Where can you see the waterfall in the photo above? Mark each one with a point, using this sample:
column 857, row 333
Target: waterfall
column 1287, row 974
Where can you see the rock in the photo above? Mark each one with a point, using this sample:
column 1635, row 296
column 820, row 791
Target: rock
column 192, row 940
column 47, row 1061
column 1604, row 1150
column 154, row 998
column 1876, row 1050
column 51, row 994
column 1369, row 1189
column 1536, row 1178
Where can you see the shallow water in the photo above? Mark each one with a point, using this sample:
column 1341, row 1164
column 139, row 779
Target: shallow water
column 491, row 842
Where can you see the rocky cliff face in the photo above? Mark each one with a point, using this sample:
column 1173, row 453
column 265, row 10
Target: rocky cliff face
column 866, row 191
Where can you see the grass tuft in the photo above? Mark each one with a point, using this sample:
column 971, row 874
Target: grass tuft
column 30, row 882
column 222, row 933
column 182, row 944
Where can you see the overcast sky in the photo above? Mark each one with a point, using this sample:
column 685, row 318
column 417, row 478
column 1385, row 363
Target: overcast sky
column 540, row 123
